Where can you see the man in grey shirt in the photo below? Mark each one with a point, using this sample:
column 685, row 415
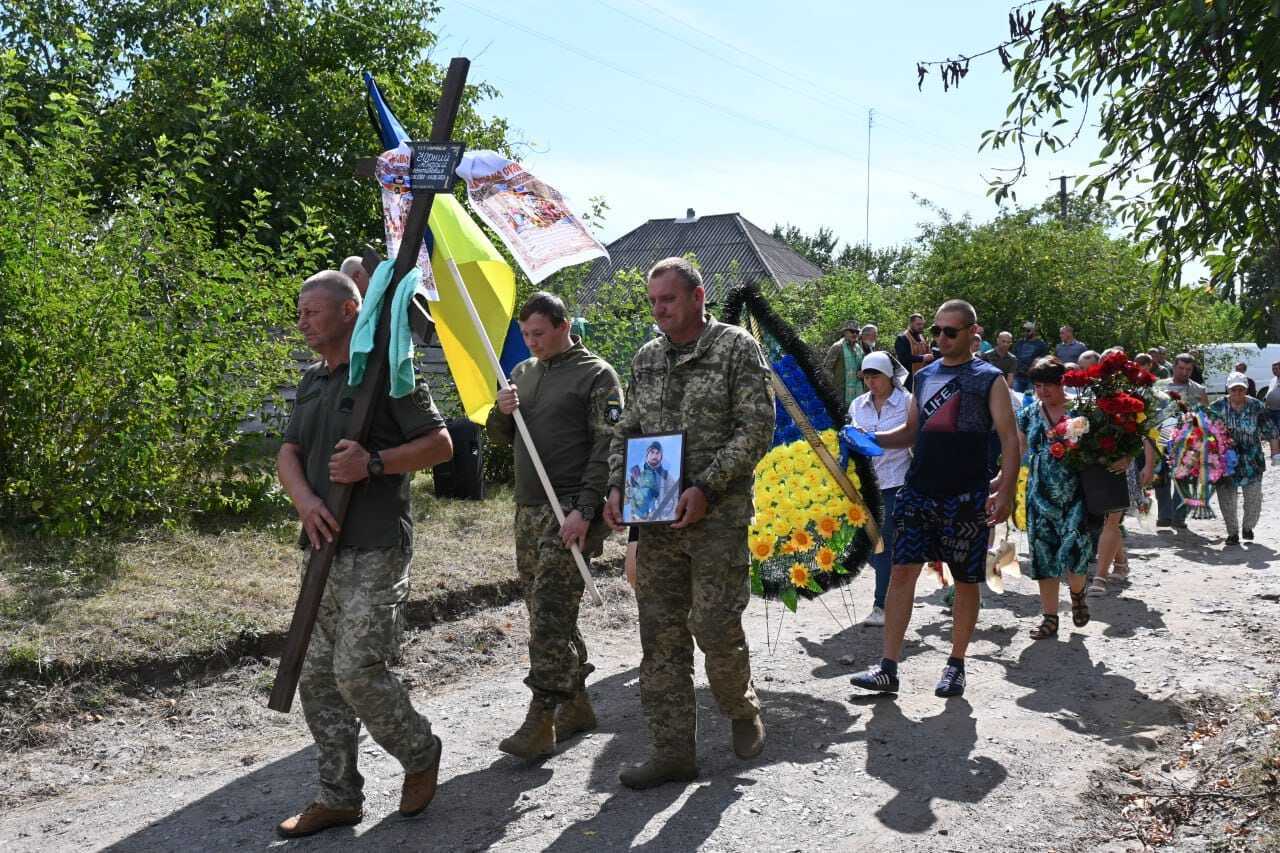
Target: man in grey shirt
column 1001, row 357
column 1070, row 348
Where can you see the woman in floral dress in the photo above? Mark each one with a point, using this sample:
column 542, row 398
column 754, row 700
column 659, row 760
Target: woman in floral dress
column 1246, row 418
column 1057, row 534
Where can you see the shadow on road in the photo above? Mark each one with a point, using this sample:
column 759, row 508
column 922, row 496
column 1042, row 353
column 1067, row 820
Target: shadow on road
column 926, row 761
column 1083, row 696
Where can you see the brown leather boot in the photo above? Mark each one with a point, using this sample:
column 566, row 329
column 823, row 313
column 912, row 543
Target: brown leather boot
column 748, row 737
column 536, row 736
column 659, row 770
column 318, row 817
column 574, row 716
column 420, row 788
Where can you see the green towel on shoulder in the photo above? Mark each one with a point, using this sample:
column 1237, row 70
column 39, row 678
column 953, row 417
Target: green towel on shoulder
column 400, row 357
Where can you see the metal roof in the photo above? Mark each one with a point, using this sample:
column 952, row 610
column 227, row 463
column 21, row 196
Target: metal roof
column 717, row 241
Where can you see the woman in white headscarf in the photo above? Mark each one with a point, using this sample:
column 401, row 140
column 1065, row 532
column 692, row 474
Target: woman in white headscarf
column 883, row 407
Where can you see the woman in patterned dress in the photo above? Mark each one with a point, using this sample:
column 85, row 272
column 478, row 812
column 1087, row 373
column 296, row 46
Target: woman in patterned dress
column 1247, row 420
column 1057, row 535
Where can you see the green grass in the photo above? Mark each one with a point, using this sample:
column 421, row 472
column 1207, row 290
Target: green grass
column 170, row 592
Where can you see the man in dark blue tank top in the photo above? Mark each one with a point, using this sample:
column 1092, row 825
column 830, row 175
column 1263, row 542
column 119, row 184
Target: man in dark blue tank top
column 947, row 504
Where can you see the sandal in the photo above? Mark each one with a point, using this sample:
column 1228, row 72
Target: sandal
column 1079, row 609
column 1098, row 586
column 1120, row 568
column 1047, row 629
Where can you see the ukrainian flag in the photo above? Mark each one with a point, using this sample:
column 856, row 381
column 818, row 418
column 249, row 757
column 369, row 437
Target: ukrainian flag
column 492, row 286
column 451, row 233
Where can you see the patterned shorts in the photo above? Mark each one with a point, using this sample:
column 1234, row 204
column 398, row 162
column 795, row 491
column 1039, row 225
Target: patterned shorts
column 952, row 529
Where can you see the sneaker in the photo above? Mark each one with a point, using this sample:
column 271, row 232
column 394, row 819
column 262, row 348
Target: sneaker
column 1248, row 534
column 1232, row 541
column 875, row 618
column 1180, row 525
column 951, row 683
column 876, row 680
column 1164, row 522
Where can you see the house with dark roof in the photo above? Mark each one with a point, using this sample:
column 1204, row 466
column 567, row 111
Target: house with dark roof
column 729, row 249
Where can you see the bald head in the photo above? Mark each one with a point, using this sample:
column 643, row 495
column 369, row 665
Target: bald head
column 353, row 268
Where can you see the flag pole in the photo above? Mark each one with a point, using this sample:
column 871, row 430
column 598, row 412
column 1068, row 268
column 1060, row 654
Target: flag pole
column 519, row 418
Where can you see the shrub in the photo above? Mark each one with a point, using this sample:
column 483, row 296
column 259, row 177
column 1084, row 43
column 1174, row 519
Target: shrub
column 132, row 347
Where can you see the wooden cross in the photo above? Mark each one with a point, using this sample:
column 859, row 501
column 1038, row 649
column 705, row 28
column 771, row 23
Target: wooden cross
column 374, row 385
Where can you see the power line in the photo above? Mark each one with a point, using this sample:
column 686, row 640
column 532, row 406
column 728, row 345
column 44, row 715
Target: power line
column 571, row 48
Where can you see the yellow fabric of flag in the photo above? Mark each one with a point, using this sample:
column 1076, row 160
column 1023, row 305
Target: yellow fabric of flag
column 492, row 286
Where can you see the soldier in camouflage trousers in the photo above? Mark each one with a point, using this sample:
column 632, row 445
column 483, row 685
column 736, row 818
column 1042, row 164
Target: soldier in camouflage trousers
column 345, row 680
column 570, row 401
column 711, row 381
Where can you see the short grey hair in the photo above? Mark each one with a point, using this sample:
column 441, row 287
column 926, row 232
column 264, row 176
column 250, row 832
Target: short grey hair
column 685, row 270
column 351, row 265
column 338, row 285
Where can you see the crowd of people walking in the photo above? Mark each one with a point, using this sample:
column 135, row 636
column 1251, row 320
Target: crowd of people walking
column 924, row 402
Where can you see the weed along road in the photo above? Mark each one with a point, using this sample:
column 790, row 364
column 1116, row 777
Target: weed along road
column 1028, row 759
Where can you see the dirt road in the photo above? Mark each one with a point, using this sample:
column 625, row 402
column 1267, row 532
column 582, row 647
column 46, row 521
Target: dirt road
column 1001, row 769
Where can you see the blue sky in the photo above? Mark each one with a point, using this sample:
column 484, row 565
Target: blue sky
column 754, row 107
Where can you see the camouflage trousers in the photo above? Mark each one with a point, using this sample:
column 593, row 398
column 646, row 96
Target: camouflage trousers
column 553, row 590
column 345, row 680
column 692, row 584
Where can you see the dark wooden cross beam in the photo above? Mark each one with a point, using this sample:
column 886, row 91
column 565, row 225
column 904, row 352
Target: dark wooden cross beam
column 373, row 386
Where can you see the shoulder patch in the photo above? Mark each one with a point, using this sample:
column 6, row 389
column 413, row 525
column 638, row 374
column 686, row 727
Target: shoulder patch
column 613, row 408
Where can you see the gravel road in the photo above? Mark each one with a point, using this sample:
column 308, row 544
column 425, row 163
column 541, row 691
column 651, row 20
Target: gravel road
column 1002, row 768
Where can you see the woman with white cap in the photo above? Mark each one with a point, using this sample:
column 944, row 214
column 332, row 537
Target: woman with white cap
column 1246, row 418
column 883, row 407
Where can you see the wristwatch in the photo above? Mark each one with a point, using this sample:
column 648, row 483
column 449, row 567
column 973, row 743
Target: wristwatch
column 375, row 464
column 587, row 512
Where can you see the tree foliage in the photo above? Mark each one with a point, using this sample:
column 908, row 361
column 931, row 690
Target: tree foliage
column 294, row 121
column 133, row 346
column 1186, row 95
column 886, row 265
column 1023, row 267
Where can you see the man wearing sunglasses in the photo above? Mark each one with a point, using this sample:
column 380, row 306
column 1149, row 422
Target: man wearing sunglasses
column 945, row 507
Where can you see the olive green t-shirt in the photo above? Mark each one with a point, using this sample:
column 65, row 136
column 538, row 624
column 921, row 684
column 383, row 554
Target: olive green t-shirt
column 378, row 516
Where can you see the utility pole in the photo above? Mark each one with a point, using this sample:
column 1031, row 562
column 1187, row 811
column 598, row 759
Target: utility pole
column 867, row 234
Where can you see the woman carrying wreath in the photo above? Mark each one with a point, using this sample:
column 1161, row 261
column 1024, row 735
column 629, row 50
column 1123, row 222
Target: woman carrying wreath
column 1246, row 419
column 1056, row 518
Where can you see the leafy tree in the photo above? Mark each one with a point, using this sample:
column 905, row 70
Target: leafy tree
column 1257, row 292
column 818, row 248
column 294, row 121
column 133, row 347
column 1186, row 95
column 1018, row 268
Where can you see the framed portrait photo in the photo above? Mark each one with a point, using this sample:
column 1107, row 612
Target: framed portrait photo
column 654, row 477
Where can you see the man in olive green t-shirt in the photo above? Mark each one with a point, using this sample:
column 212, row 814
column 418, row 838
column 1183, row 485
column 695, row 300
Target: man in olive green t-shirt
column 345, row 680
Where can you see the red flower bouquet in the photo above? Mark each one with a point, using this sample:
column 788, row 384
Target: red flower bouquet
column 1106, row 423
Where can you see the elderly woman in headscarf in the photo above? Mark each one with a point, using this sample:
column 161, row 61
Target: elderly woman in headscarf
column 883, row 407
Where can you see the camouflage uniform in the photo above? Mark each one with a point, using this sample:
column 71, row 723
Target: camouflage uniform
column 693, row 583
column 553, row 590
column 345, row 680
column 570, row 403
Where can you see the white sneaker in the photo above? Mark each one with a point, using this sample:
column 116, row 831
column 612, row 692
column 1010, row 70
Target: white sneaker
column 875, row 618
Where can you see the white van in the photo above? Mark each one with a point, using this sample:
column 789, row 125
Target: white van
column 1219, row 359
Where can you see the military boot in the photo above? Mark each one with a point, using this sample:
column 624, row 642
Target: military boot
column 536, row 736
column 574, row 716
column 659, row 770
column 748, row 737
